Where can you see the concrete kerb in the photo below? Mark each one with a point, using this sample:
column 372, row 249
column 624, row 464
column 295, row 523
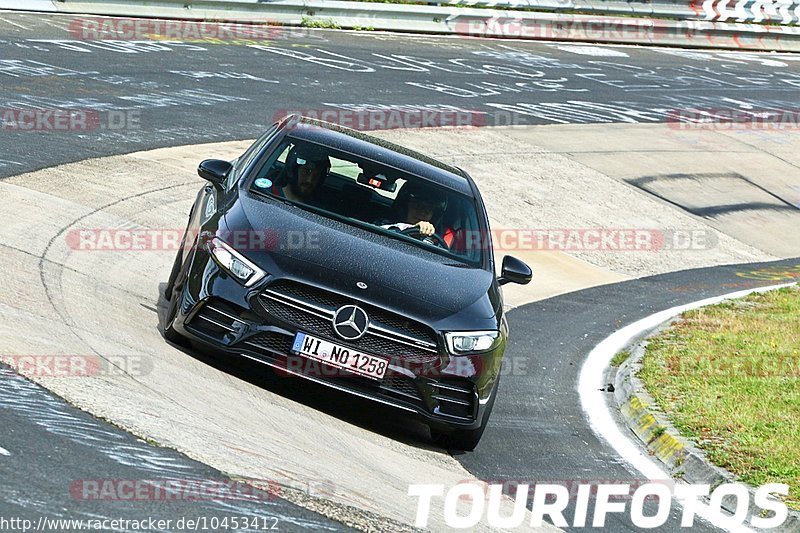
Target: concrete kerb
column 680, row 457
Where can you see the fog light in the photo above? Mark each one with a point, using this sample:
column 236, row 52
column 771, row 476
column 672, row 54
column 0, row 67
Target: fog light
column 464, row 342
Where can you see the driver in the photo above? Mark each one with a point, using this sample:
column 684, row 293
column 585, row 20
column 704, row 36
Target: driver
column 423, row 204
column 306, row 169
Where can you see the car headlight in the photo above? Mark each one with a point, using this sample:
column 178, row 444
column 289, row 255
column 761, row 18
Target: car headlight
column 234, row 263
column 466, row 342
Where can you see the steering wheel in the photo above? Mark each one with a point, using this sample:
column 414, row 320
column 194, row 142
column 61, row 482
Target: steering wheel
column 434, row 239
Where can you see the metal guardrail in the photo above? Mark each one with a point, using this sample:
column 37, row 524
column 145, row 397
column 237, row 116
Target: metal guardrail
column 777, row 11
column 786, row 12
column 29, row 5
column 783, row 12
column 464, row 21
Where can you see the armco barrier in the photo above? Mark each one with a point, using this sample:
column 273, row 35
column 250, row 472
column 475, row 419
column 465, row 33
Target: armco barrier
column 29, row 5
column 785, row 12
column 466, row 21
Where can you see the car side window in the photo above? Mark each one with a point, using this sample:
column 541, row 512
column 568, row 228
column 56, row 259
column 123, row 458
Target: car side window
column 273, row 171
column 247, row 157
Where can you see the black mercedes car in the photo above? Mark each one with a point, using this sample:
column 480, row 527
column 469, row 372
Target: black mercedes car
column 346, row 260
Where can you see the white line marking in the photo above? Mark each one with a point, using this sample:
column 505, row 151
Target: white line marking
column 594, row 403
column 54, row 24
column 15, row 24
column 3, row 451
column 596, row 51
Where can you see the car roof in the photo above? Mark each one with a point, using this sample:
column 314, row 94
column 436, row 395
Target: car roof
column 385, row 152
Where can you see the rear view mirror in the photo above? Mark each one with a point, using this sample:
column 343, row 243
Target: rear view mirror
column 378, row 181
column 514, row 271
column 214, row 170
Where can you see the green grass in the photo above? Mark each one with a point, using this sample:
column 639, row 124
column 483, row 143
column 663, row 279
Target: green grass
column 620, row 358
column 728, row 376
column 310, row 22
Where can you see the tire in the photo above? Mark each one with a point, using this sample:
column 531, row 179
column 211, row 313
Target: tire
column 173, row 275
column 466, row 439
column 169, row 331
column 173, row 297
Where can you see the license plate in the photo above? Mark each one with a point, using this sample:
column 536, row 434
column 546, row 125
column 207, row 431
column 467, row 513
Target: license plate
column 340, row 357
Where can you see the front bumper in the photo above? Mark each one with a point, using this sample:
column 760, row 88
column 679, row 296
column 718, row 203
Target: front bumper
column 443, row 390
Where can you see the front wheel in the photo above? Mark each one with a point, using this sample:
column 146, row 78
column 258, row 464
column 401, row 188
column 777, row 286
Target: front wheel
column 169, row 322
column 173, row 275
column 173, row 296
column 466, row 439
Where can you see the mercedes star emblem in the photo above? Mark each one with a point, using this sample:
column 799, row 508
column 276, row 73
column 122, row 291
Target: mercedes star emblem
column 350, row 322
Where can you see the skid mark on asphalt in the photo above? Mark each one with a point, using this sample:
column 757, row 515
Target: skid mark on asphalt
column 47, row 287
column 52, row 282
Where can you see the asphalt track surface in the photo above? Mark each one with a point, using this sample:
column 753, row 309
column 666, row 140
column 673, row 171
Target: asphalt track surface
column 183, row 93
column 57, row 453
column 538, row 415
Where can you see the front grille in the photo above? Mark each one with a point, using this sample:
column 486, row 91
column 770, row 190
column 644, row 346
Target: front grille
column 401, row 385
column 380, row 346
column 332, row 301
column 455, row 397
column 271, row 342
column 296, row 316
column 309, row 294
column 311, row 309
column 400, row 324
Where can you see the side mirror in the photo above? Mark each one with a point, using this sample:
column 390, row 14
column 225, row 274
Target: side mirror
column 214, row 170
column 514, row 271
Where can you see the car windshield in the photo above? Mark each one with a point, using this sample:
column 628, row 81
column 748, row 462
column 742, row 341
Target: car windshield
column 379, row 197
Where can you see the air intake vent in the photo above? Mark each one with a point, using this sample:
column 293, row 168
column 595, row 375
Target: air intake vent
column 402, row 386
column 456, row 398
column 215, row 319
column 275, row 343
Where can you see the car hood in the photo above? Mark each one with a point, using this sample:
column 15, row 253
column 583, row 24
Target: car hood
column 401, row 277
